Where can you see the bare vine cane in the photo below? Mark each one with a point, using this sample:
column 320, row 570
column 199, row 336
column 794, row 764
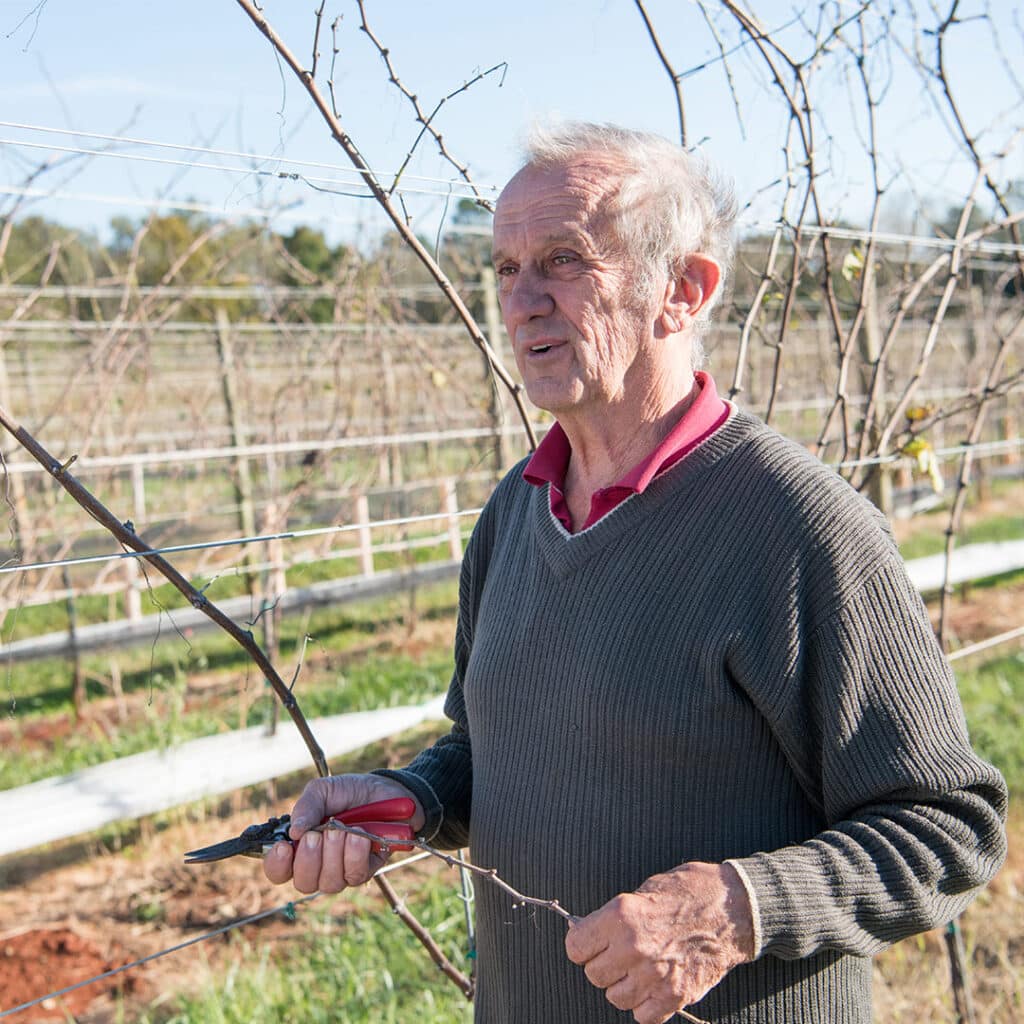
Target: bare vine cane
column 124, row 533
column 397, row 218
column 427, row 120
column 518, row 898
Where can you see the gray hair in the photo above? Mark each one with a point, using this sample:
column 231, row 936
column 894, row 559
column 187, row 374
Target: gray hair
column 670, row 202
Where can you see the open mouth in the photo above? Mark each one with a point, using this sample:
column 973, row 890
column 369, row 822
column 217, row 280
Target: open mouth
column 540, row 348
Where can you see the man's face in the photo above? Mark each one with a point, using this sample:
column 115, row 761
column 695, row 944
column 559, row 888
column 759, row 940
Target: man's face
column 581, row 332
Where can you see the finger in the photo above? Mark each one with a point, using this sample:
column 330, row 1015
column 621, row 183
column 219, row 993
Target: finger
column 277, row 865
column 357, row 860
column 584, row 940
column 311, row 808
column 653, row 1011
column 307, row 863
column 623, row 994
column 604, row 970
column 332, row 868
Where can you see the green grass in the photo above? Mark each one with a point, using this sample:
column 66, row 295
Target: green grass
column 993, row 697
column 365, row 967
column 353, row 680
column 365, row 685
column 32, row 689
column 992, row 528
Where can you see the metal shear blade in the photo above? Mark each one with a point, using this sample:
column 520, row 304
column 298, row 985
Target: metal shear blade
column 253, row 842
column 387, row 820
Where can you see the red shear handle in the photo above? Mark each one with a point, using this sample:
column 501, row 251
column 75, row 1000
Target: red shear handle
column 388, row 819
column 398, row 808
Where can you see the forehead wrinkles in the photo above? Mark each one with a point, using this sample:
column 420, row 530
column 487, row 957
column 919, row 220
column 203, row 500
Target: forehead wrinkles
column 579, row 197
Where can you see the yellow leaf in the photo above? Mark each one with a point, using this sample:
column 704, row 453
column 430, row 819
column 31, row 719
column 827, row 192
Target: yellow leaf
column 925, row 461
column 853, row 264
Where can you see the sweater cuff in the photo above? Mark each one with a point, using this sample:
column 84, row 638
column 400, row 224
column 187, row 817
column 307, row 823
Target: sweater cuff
column 424, row 793
column 755, row 906
column 794, row 911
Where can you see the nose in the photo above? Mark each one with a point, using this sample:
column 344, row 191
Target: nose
column 526, row 295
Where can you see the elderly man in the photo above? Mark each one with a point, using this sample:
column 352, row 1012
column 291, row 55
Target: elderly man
column 695, row 696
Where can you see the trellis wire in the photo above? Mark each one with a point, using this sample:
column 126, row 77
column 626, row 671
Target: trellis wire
column 980, row 450
column 353, row 179
column 318, row 531
column 123, row 139
column 988, row 642
column 287, row 909
column 986, row 449
column 315, row 180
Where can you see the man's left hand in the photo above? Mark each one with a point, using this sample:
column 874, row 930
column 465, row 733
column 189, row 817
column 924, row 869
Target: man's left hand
column 661, row 948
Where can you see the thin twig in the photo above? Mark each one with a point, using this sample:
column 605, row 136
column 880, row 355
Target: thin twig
column 669, row 70
column 379, row 193
column 519, row 899
column 427, row 120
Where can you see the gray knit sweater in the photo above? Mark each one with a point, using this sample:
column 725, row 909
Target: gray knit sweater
column 731, row 665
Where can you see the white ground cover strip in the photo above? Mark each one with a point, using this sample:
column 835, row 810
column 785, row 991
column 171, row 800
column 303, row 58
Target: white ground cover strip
column 130, row 787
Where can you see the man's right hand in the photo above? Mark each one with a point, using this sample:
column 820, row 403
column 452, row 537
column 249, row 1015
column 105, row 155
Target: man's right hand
column 330, row 861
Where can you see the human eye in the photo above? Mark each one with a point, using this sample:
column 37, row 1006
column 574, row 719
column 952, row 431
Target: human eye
column 564, row 258
column 505, row 269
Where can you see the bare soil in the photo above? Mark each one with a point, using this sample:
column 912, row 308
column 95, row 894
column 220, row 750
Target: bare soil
column 30, row 961
column 79, row 908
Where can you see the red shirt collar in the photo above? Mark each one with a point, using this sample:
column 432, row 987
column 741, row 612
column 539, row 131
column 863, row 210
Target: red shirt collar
column 550, row 461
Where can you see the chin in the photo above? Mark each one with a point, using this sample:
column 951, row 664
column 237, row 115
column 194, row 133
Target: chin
column 552, row 397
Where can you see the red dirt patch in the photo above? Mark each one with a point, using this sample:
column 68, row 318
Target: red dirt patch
column 49, row 959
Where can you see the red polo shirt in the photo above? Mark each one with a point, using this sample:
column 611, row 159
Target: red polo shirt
column 550, row 461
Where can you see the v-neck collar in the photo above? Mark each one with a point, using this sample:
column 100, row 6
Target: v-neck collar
column 566, row 552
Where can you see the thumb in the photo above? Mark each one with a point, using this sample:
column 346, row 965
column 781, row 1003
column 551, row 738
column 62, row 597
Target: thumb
column 311, row 808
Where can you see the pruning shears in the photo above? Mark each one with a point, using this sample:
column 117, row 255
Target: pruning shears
column 386, row 819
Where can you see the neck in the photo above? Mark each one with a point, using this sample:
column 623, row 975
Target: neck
column 605, row 446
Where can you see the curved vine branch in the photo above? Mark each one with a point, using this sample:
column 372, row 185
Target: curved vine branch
column 125, row 533
column 383, row 198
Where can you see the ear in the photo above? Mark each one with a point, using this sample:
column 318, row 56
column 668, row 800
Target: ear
column 688, row 292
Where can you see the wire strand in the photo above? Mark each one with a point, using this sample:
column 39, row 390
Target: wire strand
column 319, row 531
column 942, row 454
column 285, row 908
column 984, row 645
column 316, row 181
column 892, row 238
column 353, row 177
column 235, row 153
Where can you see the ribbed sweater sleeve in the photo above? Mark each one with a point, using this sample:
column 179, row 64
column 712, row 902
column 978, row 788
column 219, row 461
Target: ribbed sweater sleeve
column 868, row 715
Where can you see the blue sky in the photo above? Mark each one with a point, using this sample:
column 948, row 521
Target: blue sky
column 200, row 73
